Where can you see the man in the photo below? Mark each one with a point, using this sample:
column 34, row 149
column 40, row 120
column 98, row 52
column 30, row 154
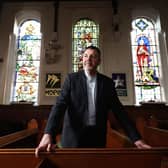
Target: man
column 84, row 103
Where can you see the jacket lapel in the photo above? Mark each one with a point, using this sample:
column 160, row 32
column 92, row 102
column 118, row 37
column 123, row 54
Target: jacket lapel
column 83, row 83
column 83, row 87
column 99, row 95
column 99, row 89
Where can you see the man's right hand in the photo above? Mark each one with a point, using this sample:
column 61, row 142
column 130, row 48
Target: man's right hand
column 45, row 145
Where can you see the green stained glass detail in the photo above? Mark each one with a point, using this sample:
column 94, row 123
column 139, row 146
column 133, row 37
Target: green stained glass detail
column 27, row 62
column 145, row 55
column 85, row 33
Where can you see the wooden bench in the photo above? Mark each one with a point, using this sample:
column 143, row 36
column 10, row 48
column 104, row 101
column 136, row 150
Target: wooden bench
column 156, row 137
column 85, row 158
column 20, row 139
column 8, row 127
column 116, row 139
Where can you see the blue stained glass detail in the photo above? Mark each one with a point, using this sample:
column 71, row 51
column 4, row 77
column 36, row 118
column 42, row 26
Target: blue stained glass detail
column 141, row 25
column 31, row 37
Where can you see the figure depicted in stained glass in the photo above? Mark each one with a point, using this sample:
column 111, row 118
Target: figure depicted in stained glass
column 143, row 54
column 30, row 29
column 146, row 64
column 147, row 72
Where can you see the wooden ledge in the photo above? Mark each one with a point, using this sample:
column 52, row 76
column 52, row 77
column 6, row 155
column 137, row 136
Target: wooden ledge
column 84, row 151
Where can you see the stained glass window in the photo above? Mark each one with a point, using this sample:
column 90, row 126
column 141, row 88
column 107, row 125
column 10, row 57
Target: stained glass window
column 85, row 33
column 27, row 62
column 146, row 55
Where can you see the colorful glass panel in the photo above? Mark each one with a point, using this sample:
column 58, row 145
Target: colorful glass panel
column 27, row 62
column 145, row 52
column 85, row 33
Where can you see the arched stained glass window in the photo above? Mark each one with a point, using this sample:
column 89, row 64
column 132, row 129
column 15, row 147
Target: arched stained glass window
column 27, row 62
column 146, row 60
column 85, row 33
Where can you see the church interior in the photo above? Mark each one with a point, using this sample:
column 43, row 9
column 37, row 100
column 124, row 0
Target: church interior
column 42, row 41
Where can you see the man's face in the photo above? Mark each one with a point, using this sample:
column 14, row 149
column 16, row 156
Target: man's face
column 91, row 60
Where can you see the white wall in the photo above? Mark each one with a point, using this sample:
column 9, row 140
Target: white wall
column 116, row 50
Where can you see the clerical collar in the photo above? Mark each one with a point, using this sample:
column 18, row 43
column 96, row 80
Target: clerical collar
column 89, row 77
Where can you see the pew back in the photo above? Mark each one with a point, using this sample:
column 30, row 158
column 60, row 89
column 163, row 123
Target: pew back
column 24, row 138
column 156, row 137
column 85, row 158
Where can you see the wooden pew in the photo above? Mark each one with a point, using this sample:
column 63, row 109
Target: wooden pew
column 8, row 127
column 20, row 139
column 156, row 137
column 163, row 124
column 154, row 122
column 85, row 158
column 116, row 138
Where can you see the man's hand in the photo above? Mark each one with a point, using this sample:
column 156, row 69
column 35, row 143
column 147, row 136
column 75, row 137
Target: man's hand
column 140, row 144
column 45, row 145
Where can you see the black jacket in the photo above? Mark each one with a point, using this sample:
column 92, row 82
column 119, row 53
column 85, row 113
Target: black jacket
column 72, row 106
